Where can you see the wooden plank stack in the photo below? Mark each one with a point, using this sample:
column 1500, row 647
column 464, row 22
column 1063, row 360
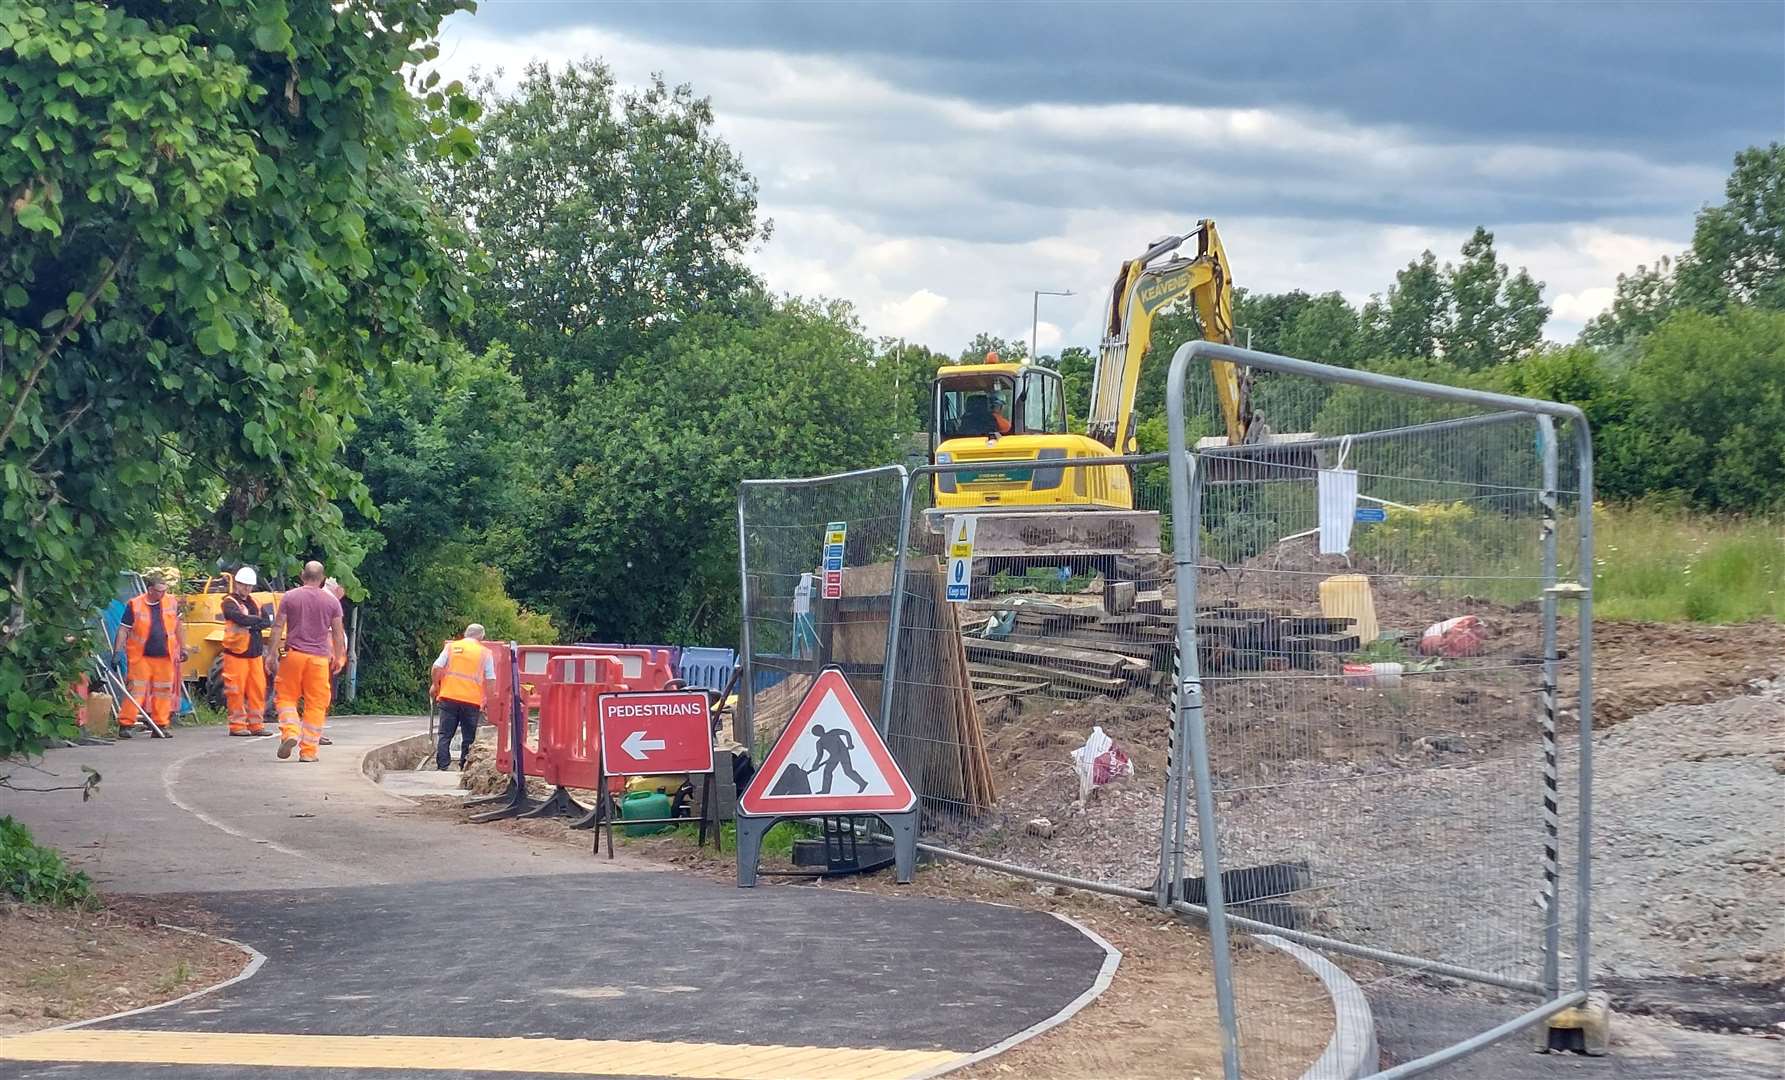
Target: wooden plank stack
column 1081, row 650
column 935, row 730
column 1071, row 650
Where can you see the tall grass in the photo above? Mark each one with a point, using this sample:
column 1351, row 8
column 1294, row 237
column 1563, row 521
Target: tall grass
column 1663, row 565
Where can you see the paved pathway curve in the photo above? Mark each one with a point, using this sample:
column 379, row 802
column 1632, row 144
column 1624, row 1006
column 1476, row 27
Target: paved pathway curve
column 398, row 941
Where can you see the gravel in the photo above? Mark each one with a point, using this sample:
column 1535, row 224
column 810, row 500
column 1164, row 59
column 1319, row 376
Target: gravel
column 1691, row 841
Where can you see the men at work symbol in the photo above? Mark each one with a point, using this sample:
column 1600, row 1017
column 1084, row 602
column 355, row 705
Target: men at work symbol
column 834, row 746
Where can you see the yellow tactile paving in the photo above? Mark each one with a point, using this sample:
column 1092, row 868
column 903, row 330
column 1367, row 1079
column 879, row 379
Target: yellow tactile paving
column 561, row 1057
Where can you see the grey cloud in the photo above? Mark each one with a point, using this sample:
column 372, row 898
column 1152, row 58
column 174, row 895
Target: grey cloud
column 1694, row 79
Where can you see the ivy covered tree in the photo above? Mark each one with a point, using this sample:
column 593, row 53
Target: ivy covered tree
column 208, row 236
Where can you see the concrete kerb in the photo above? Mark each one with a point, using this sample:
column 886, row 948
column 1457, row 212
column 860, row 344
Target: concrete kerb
column 380, row 759
column 256, row 959
column 1351, row 1052
column 1112, row 958
column 377, row 761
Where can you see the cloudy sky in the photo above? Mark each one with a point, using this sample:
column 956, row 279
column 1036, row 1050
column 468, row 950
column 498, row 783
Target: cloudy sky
column 935, row 162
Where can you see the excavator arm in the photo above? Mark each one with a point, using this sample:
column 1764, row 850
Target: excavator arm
column 1144, row 287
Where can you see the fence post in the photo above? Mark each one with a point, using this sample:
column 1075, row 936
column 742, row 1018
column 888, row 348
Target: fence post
column 744, row 721
column 889, row 667
column 1189, row 719
column 1583, row 906
column 1551, row 901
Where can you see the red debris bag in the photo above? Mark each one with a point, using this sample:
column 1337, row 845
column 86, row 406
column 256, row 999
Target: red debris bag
column 1465, row 635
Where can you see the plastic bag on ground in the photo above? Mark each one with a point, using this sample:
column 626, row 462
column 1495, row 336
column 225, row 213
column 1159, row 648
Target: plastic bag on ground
column 1099, row 762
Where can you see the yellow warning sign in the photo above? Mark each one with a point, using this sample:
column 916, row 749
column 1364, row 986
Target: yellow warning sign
column 962, row 548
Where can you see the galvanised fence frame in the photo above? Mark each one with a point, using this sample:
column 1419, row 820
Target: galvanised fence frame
column 1196, row 828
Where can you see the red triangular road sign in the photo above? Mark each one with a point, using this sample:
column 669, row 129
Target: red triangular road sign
column 829, row 760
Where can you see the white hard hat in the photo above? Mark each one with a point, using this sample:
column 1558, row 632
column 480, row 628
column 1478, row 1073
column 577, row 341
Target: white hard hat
column 247, row 576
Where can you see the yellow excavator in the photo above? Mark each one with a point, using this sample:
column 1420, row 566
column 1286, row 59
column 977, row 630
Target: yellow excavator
column 1011, row 419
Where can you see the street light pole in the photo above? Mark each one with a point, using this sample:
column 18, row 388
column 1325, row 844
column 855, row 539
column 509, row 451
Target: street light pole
column 1035, row 315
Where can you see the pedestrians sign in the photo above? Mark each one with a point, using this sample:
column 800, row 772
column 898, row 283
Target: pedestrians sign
column 655, row 733
column 829, row 760
column 961, row 530
column 836, row 535
column 1370, row 513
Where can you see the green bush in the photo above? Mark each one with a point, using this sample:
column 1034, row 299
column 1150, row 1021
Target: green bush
column 33, row 874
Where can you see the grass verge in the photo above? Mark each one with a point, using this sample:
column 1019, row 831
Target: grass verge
column 1659, row 565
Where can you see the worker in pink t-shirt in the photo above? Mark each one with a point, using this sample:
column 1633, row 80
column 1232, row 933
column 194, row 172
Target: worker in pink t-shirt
column 309, row 626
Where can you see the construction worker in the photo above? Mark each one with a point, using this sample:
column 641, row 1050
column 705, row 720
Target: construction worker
column 308, row 625
column 463, row 673
column 244, row 656
column 1000, row 415
column 151, row 643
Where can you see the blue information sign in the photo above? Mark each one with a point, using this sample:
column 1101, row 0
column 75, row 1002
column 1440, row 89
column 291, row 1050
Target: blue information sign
column 1370, row 513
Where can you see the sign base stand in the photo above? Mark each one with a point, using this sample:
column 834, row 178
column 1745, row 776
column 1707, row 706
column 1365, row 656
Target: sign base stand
column 601, row 818
column 559, row 804
column 751, row 830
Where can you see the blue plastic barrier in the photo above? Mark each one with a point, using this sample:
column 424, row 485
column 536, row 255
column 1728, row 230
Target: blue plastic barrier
column 707, row 669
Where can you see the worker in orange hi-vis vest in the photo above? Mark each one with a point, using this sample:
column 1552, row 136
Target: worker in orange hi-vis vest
column 244, row 656
column 309, row 626
column 463, row 674
column 150, row 638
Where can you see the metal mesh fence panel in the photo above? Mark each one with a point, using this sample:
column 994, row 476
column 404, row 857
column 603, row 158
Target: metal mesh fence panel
column 791, row 628
column 1379, row 694
column 1063, row 632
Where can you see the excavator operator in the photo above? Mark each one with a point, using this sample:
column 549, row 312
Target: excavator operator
column 985, row 414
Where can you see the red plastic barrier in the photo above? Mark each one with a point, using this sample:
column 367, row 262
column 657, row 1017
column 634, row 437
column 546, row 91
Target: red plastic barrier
column 558, row 688
column 569, row 744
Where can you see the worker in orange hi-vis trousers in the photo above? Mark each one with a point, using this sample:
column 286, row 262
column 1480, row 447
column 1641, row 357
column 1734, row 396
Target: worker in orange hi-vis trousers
column 244, row 656
column 309, row 626
column 150, row 638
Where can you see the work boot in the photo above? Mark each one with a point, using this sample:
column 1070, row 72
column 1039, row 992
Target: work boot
column 124, row 733
column 261, row 733
column 242, row 734
column 306, row 761
column 324, row 740
column 286, row 746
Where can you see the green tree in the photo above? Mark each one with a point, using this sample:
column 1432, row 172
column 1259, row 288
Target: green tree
column 1642, row 301
column 207, row 237
column 1076, row 366
column 1416, row 315
column 1471, row 337
column 912, row 369
column 448, row 453
column 1009, row 352
column 1494, row 315
column 1326, row 329
column 1709, row 409
column 634, row 536
column 1738, row 247
column 606, row 215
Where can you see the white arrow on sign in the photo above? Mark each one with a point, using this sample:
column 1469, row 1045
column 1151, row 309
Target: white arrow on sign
column 636, row 744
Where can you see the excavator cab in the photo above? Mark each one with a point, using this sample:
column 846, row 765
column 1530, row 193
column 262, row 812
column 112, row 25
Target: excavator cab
column 987, row 401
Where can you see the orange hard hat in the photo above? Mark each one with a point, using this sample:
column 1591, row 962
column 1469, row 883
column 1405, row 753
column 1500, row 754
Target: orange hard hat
column 991, row 357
